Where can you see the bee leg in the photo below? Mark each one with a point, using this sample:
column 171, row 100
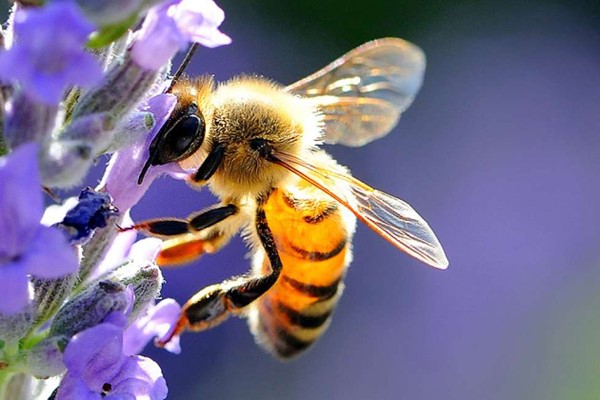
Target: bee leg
column 167, row 227
column 214, row 304
column 185, row 244
column 184, row 249
column 209, row 166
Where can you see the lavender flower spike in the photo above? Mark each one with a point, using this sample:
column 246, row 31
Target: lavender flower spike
column 48, row 53
column 98, row 368
column 27, row 247
column 171, row 26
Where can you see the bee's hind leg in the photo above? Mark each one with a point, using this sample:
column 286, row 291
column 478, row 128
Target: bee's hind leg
column 214, row 304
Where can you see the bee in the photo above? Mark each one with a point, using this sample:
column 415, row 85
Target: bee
column 256, row 145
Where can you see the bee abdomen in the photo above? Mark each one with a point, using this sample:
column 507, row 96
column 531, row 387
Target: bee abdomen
column 287, row 330
column 313, row 238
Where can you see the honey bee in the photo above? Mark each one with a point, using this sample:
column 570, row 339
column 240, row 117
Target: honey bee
column 255, row 144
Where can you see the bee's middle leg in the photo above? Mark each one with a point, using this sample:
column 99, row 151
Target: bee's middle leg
column 214, row 304
column 186, row 240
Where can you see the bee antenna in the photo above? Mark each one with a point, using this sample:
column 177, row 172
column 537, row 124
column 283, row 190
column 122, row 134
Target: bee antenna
column 186, row 60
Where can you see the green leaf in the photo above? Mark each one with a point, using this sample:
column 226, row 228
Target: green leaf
column 109, row 33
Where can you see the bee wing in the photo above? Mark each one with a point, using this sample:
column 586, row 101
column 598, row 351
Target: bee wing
column 390, row 217
column 362, row 94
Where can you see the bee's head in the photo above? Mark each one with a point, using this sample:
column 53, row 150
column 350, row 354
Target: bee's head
column 252, row 121
column 183, row 133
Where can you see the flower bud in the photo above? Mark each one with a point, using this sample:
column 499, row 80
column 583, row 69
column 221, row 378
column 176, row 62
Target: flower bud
column 67, row 159
column 95, row 130
column 90, row 307
column 93, row 210
column 146, row 280
column 50, row 294
column 124, row 86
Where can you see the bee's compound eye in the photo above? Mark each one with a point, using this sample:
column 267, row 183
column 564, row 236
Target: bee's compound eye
column 181, row 140
column 178, row 139
column 186, row 132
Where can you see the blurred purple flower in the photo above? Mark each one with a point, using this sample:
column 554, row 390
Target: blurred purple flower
column 48, row 53
column 172, row 25
column 26, row 246
column 121, row 176
column 157, row 322
column 97, row 367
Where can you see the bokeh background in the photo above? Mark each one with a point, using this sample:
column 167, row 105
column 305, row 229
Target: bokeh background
column 500, row 153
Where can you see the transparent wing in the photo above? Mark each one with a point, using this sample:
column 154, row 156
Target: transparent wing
column 363, row 93
column 390, row 217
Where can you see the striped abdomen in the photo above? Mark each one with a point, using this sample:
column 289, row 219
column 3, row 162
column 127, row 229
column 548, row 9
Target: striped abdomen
column 313, row 235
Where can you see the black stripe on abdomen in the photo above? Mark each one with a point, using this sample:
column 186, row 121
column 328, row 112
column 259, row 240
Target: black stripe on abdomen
column 319, row 255
column 293, row 344
column 284, row 343
column 297, row 318
column 323, row 292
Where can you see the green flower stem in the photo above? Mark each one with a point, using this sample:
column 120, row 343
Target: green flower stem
column 3, row 147
column 5, row 377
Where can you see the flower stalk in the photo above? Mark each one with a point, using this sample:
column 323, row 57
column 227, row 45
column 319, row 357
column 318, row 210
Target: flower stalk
column 78, row 80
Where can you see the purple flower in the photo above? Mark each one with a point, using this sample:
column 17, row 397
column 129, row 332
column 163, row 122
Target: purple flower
column 171, row 26
column 48, row 53
column 120, row 179
column 158, row 322
column 26, row 246
column 97, row 367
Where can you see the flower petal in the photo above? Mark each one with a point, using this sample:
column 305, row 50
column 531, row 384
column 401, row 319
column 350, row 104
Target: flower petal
column 199, row 20
column 119, row 248
column 95, row 354
column 156, row 323
column 84, row 70
column 14, row 287
column 170, row 26
column 145, row 249
column 157, row 40
column 21, row 204
column 139, row 377
column 51, row 40
column 73, row 387
column 50, row 255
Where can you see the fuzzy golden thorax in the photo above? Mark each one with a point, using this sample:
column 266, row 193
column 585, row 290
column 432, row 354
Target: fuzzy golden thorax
column 247, row 111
